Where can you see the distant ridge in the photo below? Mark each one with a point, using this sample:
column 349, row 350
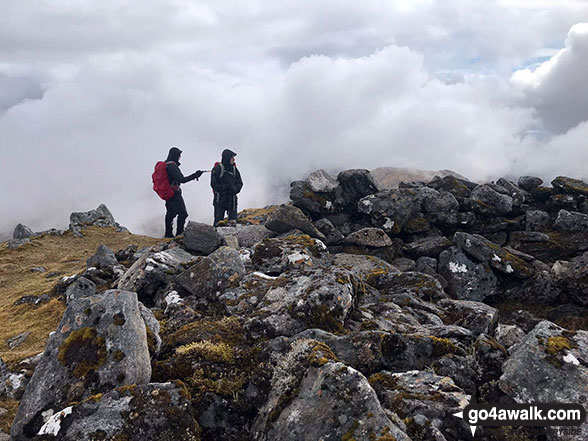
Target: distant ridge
column 390, row 177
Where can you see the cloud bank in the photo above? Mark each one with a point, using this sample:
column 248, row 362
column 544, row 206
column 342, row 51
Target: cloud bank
column 91, row 96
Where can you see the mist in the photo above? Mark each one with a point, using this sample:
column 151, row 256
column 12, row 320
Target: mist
column 102, row 92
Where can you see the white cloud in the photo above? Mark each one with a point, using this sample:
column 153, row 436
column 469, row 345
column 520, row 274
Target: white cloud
column 557, row 88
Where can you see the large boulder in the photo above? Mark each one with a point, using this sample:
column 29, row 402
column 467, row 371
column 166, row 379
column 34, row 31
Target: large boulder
column 332, row 235
column 390, row 209
column 211, row 275
column 356, row 184
column 490, row 253
column 154, row 271
column 570, row 185
column 149, row 412
column 572, row 277
column 571, row 221
column 548, row 366
column 247, row 235
column 104, row 258
column 101, row 217
column 488, row 201
column 428, row 246
column 22, row 232
column 201, row 238
column 537, row 220
column 100, row 344
column 466, row 280
column 478, row 317
column 287, row 218
column 275, row 255
column 307, row 382
column 425, row 401
column 434, row 201
column 529, row 183
column 369, row 237
column 313, row 202
column 322, row 182
column 82, row 287
column 459, row 188
column 305, row 298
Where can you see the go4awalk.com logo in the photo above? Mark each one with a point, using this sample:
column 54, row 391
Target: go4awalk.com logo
column 533, row 415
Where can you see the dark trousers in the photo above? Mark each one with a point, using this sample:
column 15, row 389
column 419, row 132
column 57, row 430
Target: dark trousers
column 175, row 207
column 224, row 203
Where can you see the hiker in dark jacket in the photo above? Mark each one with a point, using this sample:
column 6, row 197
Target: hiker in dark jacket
column 176, row 206
column 226, row 183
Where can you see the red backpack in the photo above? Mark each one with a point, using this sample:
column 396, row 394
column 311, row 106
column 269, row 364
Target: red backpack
column 161, row 184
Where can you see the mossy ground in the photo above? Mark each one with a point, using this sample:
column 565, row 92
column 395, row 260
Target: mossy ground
column 65, row 254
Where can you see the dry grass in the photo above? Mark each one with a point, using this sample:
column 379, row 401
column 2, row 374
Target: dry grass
column 65, row 254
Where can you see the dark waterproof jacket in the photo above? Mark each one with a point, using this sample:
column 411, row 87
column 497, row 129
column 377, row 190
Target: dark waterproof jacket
column 226, row 182
column 174, row 173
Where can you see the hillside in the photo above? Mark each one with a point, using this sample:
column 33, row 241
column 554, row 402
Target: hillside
column 351, row 313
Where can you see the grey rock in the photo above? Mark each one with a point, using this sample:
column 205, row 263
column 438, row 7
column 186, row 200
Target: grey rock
column 434, row 201
column 339, row 394
column 421, row 395
column 478, row 317
column 100, row 344
column 364, row 266
column 152, row 328
column 571, row 221
column 231, row 242
column 404, row 264
column 332, row 235
column 321, row 182
column 490, row 253
column 316, row 204
column 17, row 243
column 570, row 185
column 33, row 300
column 370, row 237
column 457, row 187
column 452, row 219
column 390, row 209
column 247, row 235
column 509, row 335
column 466, row 280
column 528, row 183
column 150, row 412
column 17, row 340
column 428, row 246
column 213, row 274
column 201, row 238
column 287, row 218
column 572, row 277
column 22, row 232
column 154, row 271
column 528, row 236
column 101, row 217
column 548, row 366
column 489, row 201
column 103, row 258
column 417, row 285
column 38, row 269
column 356, row 184
column 275, row 255
column 305, row 298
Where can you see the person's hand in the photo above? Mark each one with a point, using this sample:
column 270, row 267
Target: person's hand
column 198, row 174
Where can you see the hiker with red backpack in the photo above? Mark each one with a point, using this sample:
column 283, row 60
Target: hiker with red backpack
column 226, row 183
column 167, row 178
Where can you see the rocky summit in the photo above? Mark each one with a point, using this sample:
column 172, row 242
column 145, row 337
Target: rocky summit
column 353, row 312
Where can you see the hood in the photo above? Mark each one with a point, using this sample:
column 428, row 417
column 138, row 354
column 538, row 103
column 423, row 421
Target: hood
column 174, row 155
column 226, row 157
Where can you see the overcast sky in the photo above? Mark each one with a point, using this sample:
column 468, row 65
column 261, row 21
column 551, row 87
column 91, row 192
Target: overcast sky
column 92, row 94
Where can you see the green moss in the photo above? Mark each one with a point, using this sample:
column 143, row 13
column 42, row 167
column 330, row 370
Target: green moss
column 383, row 381
column 555, row 345
column 206, row 350
column 82, row 352
column 320, row 354
column 315, row 197
column 416, row 225
column 496, row 345
column 442, row 346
